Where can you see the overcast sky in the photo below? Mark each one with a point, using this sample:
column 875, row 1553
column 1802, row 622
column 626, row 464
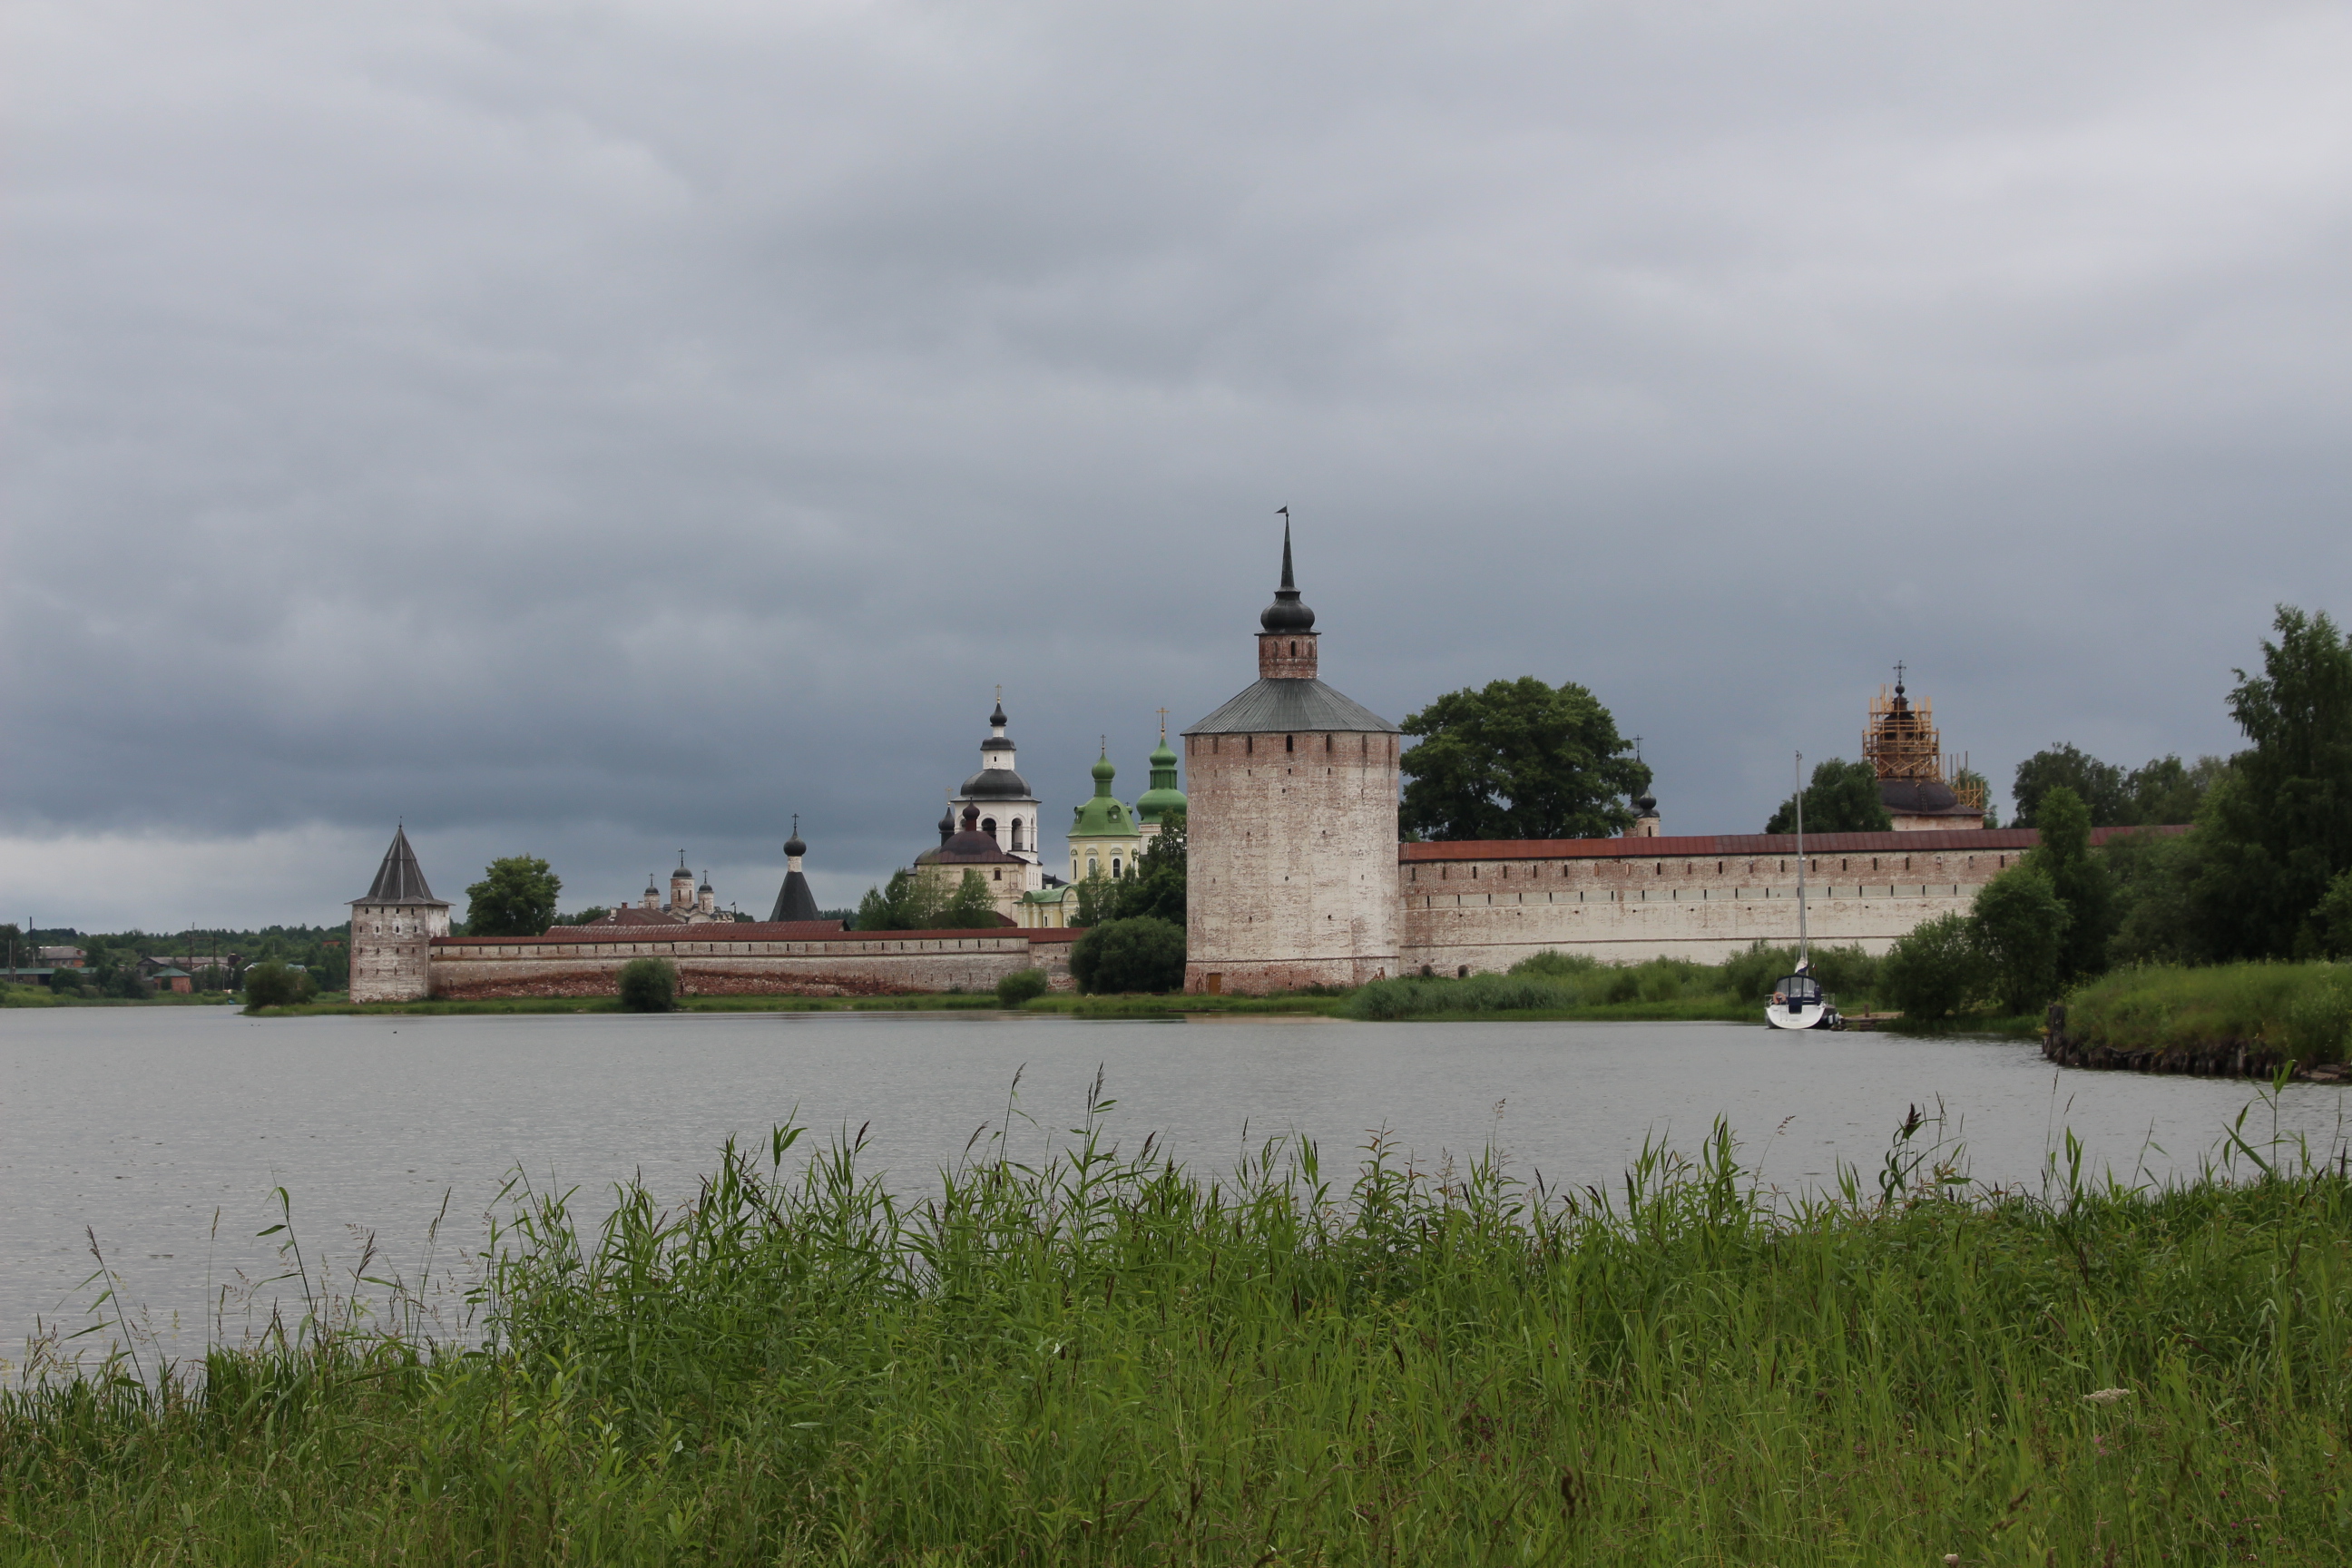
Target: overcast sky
column 604, row 429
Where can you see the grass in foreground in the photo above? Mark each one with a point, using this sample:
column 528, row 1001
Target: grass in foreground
column 1104, row 1358
column 2304, row 1008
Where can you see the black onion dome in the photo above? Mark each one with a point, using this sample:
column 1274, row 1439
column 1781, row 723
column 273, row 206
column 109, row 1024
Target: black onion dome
column 1645, row 803
column 793, row 846
column 996, row 784
column 997, row 718
column 1286, row 614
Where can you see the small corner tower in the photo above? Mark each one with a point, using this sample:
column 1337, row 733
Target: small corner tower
column 1291, row 851
column 793, row 899
column 392, row 930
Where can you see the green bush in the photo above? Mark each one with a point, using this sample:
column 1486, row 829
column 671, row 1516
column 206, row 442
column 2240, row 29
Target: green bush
column 1551, row 963
column 1141, row 954
column 1021, row 985
column 276, row 985
column 1934, row 971
column 648, row 985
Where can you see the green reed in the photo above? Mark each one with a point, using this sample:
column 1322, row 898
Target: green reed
column 1095, row 1356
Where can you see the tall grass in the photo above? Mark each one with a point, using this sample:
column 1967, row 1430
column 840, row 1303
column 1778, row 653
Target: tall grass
column 1101, row 1358
column 2303, row 1009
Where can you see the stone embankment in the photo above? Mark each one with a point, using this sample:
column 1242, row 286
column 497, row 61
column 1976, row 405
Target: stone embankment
column 2218, row 1059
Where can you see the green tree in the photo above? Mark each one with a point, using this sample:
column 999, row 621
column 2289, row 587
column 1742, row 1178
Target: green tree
column 647, row 985
column 1935, row 970
column 1143, row 954
column 2081, row 880
column 2333, row 916
column 1964, row 779
column 1842, row 798
column 1094, row 894
column 516, row 897
column 909, row 902
column 2155, row 876
column 2099, row 785
column 2167, row 792
column 2021, row 928
column 1518, row 759
column 971, row 908
column 2277, row 826
column 1157, row 887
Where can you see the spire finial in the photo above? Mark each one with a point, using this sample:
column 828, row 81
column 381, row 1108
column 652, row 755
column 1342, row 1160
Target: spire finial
column 1898, row 678
column 1163, row 725
column 1286, row 614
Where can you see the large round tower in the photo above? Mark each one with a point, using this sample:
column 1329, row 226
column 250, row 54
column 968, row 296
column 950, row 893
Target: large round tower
column 1292, row 849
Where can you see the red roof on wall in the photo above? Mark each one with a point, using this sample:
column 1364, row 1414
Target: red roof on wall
column 740, row 931
column 1927, row 842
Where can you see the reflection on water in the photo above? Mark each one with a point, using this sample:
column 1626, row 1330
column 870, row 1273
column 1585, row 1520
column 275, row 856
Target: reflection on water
column 145, row 1124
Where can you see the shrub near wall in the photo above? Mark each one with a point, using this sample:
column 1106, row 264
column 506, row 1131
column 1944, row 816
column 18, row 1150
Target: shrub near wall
column 1141, row 954
column 648, row 985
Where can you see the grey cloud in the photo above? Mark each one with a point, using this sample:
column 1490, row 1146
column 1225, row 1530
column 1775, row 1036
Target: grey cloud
column 615, row 426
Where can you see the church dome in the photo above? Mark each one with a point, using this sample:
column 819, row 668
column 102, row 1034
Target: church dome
column 996, row 784
column 793, row 846
column 1103, row 770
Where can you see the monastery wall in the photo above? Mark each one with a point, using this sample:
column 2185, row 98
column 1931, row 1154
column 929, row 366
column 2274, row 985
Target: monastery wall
column 877, row 963
column 1289, row 855
column 1485, row 906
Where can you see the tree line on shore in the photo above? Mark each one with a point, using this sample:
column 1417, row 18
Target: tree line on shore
column 2263, row 871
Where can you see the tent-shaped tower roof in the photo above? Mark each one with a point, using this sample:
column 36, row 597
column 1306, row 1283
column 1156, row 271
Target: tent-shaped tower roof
column 400, row 881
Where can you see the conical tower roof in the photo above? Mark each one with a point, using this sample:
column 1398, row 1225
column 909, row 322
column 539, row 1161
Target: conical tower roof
column 400, row 881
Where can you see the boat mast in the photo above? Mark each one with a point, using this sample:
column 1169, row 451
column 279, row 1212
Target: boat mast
column 1804, row 952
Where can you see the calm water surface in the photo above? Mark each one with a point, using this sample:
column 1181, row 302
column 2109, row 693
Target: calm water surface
column 165, row 1130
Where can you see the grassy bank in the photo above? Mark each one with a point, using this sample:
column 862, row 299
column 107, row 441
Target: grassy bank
column 1104, row 1360
column 1573, row 986
column 2303, row 1010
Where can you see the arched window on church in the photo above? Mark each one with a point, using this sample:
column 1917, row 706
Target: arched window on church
column 1017, row 833
column 988, row 826
column 1293, row 650
column 1113, row 867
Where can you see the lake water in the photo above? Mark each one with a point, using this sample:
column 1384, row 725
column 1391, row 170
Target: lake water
column 165, row 1130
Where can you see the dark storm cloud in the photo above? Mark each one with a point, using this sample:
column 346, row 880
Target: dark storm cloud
column 609, row 428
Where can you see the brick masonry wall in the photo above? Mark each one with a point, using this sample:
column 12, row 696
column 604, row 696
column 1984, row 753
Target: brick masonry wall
column 1290, row 861
column 881, row 964
column 1488, row 914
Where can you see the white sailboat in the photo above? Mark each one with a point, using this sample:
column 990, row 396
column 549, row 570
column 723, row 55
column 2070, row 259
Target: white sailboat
column 1798, row 1000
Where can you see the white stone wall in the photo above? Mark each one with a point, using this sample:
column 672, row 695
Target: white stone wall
column 854, row 964
column 1488, row 913
column 390, row 946
column 1290, row 863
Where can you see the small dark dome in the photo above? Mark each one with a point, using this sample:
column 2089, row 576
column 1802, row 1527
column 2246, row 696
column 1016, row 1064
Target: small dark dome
column 996, row 784
column 1646, row 803
column 793, row 846
column 1286, row 614
column 997, row 718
